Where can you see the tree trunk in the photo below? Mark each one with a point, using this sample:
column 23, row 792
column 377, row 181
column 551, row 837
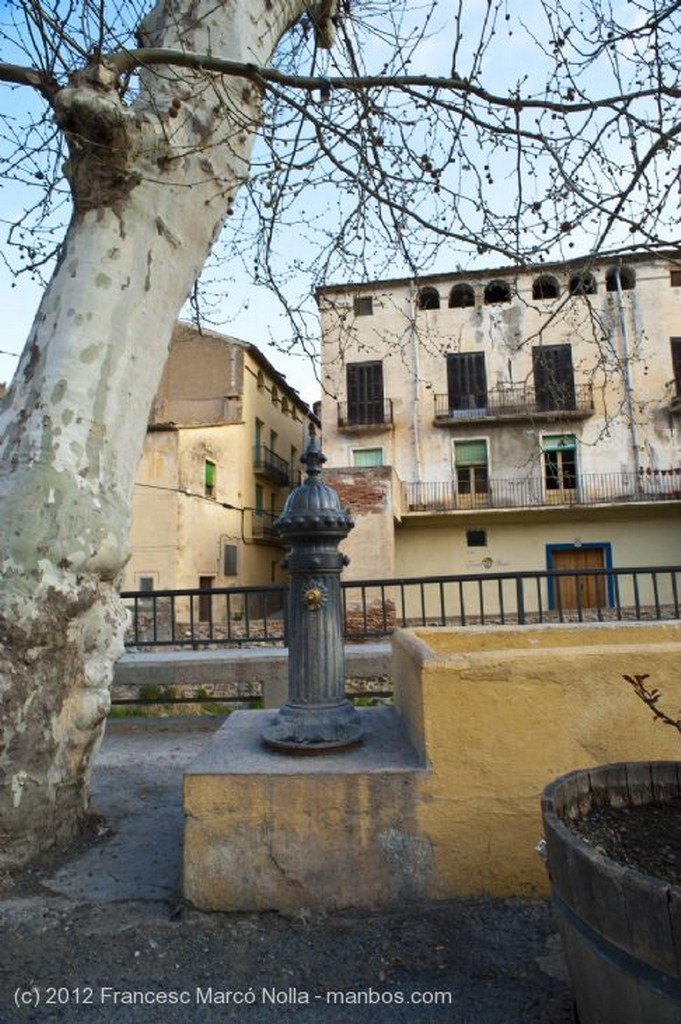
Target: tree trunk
column 151, row 185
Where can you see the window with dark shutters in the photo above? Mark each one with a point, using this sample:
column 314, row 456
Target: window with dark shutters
column 676, row 364
column 229, row 560
column 466, row 380
column 554, row 379
column 365, row 392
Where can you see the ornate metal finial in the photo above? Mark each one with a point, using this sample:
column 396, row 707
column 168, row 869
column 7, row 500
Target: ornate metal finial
column 313, row 457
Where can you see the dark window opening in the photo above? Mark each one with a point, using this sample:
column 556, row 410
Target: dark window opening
column 145, row 584
column 676, row 364
column 627, row 279
column 583, row 284
column 471, row 479
column 466, row 380
column 363, row 305
column 545, row 287
column 461, row 296
column 497, row 291
column 675, row 278
column 229, row 560
column 205, row 599
column 476, row 538
column 554, row 381
column 429, row 298
column 365, row 392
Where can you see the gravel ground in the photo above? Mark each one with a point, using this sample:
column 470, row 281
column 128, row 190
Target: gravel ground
column 102, row 935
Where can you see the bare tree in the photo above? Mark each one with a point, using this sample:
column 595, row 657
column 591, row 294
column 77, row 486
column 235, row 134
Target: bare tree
column 147, row 125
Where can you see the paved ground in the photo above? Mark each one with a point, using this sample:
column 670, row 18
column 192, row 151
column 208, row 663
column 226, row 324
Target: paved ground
column 103, row 935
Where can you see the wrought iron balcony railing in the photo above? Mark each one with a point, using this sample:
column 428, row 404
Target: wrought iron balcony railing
column 517, row 402
column 534, row 492
column 262, row 525
column 268, row 464
column 365, row 414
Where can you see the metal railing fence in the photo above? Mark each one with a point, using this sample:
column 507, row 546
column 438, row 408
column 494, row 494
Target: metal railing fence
column 372, row 609
column 271, row 465
column 516, row 401
column 531, row 492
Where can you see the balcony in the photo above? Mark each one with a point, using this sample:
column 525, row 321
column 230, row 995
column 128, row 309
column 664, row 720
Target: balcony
column 517, row 402
column 270, row 466
column 262, row 527
column 368, row 415
column 532, row 492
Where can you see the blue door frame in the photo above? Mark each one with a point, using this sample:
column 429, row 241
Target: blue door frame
column 603, row 546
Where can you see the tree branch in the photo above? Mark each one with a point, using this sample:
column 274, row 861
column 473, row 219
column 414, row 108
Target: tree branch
column 127, row 61
column 15, row 74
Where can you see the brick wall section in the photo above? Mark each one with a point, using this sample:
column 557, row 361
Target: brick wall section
column 367, row 495
column 375, row 618
column 362, row 491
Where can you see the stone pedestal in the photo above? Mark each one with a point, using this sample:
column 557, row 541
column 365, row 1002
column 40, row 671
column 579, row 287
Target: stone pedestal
column 267, row 831
column 491, row 713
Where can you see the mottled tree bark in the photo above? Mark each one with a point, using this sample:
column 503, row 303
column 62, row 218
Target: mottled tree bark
column 152, row 184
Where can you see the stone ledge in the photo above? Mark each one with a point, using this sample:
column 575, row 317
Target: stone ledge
column 237, row 749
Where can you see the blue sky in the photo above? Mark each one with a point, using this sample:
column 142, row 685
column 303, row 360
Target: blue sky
column 247, row 310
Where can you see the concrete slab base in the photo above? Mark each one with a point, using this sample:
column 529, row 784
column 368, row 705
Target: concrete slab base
column 272, row 831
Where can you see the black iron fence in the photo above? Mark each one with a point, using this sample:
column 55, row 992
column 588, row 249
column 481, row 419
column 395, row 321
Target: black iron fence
column 372, row 609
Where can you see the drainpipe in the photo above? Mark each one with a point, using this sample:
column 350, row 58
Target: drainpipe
column 417, row 374
column 628, row 384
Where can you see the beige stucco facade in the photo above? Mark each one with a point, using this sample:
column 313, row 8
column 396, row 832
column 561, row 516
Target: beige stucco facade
column 530, row 415
column 222, row 451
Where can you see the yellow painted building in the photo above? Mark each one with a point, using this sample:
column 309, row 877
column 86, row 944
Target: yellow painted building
column 222, row 452
column 507, row 420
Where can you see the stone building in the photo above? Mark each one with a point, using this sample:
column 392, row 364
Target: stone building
column 222, row 452
column 508, row 420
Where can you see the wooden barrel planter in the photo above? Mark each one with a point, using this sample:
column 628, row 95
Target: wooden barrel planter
column 621, row 928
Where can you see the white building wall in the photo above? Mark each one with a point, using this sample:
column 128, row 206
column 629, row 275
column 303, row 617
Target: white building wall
column 620, row 347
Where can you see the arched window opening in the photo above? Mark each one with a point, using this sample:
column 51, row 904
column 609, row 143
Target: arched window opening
column 545, row 287
column 497, row 291
column 429, row 298
column 627, row 278
column 583, row 284
column 461, row 296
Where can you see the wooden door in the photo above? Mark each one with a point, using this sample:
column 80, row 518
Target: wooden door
column 579, row 591
column 205, row 600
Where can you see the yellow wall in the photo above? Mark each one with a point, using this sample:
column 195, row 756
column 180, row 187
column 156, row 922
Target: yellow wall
column 497, row 714
column 647, row 537
column 494, row 715
column 213, row 389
